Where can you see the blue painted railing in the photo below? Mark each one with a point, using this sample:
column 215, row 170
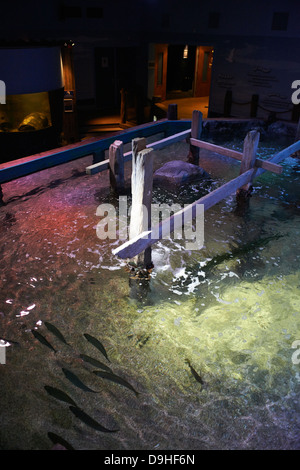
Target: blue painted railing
column 61, row 155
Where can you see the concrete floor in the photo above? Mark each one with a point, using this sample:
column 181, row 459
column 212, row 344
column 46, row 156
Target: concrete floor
column 95, row 123
column 186, row 106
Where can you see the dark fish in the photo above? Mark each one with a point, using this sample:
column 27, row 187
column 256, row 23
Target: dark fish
column 115, row 378
column 76, row 381
column 195, row 374
column 240, row 250
column 55, row 331
column 59, row 395
column 95, row 362
column 42, row 339
column 95, row 342
column 59, row 440
column 89, row 421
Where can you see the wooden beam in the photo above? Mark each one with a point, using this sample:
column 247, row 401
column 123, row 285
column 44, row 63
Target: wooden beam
column 249, row 151
column 158, row 145
column 97, row 167
column 216, row 148
column 116, row 166
column 236, row 155
column 269, row 166
column 140, row 242
column 141, row 190
column 282, row 155
column 248, row 162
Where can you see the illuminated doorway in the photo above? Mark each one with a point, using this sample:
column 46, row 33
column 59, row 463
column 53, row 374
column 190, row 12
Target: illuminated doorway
column 183, row 71
column 203, row 67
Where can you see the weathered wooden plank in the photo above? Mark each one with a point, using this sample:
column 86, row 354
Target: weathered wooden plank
column 248, row 162
column 236, row 155
column 285, row 153
column 140, row 242
column 116, row 166
column 158, row 145
column 141, row 190
column 216, row 148
column 269, row 166
column 280, row 156
column 97, row 167
column 249, row 151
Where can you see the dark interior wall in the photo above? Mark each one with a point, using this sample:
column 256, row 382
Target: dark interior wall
column 248, row 66
column 233, row 24
column 115, row 69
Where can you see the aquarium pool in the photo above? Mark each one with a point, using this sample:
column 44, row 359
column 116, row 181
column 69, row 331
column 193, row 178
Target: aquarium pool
column 209, row 345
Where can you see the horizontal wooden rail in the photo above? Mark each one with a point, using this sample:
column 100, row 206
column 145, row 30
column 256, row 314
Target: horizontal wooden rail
column 159, row 144
column 217, row 148
column 138, row 244
column 265, row 164
column 280, row 156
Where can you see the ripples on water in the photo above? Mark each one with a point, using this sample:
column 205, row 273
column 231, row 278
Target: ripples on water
column 234, row 319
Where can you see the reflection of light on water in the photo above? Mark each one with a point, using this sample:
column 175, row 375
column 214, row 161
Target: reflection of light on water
column 247, row 320
column 26, row 312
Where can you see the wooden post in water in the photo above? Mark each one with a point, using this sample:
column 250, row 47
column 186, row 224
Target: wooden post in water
column 248, row 162
column 172, row 112
column 116, row 166
column 141, row 189
column 196, row 132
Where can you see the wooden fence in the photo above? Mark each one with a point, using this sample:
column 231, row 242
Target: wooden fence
column 251, row 167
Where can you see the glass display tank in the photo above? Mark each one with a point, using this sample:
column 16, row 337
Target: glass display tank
column 25, row 113
column 31, row 113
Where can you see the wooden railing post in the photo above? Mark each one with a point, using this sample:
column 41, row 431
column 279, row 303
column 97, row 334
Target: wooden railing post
column 116, row 166
column 141, row 190
column 248, row 162
column 196, row 132
column 172, row 112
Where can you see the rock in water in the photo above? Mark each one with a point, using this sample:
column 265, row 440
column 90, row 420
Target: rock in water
column 176, row 172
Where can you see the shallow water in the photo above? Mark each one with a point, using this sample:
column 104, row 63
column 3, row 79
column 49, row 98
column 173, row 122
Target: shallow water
column 234, row 318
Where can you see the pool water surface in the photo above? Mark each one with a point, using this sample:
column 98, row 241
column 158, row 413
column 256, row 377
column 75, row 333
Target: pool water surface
column 209, row 343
